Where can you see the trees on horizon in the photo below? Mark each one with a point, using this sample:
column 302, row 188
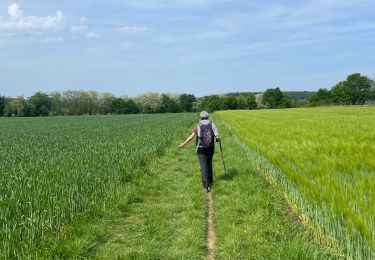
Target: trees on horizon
column 355, row 90
column 73, row 102
column 275, row 98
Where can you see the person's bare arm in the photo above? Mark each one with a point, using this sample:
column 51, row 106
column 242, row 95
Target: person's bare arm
column 191, row 137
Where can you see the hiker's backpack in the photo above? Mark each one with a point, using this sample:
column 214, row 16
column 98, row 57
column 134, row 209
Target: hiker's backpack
column 205, row 135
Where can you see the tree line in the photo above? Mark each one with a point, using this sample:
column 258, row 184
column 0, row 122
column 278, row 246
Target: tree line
column 355, row 90
column 93, row 103
column 271, row 98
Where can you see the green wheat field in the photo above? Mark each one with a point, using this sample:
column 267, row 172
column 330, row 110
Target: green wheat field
column 300, row 184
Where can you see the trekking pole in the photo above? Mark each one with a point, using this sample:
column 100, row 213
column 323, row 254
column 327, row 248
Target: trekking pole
column 222, row 157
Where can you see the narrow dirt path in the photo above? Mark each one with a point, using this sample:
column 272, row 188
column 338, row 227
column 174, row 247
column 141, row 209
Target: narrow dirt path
column 211, row 236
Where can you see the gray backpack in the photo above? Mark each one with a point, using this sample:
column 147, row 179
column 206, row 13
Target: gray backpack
column 205, row 135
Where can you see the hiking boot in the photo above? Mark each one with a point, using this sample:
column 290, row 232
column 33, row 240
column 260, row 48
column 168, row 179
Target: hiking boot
column 208, row 189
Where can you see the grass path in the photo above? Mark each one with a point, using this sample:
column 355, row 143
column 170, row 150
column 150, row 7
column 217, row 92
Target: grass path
column 169, row 218
column 211, row 234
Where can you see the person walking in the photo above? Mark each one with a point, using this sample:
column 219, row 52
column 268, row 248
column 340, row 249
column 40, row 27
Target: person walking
column 205, row 132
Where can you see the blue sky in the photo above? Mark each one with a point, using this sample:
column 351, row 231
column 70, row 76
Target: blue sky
column 183, row 46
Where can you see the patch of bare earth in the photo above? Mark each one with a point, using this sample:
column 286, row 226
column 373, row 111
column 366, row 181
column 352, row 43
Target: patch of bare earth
column 211, row 236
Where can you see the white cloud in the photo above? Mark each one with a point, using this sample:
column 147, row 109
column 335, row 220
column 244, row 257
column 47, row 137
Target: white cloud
column 84, row 29
column 81, row 27
column 133, row 30
column 17, row 21
column 15, row 11
column 92, row 35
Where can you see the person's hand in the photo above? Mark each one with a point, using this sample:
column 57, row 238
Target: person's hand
column 182, row 145
column 218, row 139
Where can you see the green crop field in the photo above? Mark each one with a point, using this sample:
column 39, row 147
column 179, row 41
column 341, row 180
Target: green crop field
column 57, row 171
column 118, row 187
column 325, row 159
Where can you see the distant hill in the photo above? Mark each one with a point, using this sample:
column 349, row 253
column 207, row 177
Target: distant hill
column 300, row 95
column 298, row 98
column 294, row 95
column 237, row 94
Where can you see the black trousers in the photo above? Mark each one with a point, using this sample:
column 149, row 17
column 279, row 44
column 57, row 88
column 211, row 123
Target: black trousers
column 205, row 161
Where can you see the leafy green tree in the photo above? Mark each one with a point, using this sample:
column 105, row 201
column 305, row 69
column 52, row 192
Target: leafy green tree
column 70, row 102
column 372, row 91
column 10, row 108
column 168, row 104
column 106, row 100
column 57, row 107
column 357, row 89
column 287, row 101
column 23, row 107
column 94, row 104
column 124, row 106
column 339, row 96
column 230, row 103
column 131, row 107
column 259, row 100
column 211, row 103
column 322, row 97
column 187, row 102
column 241, row 103
column 2, row 105
column 40, row 104
column 84, row 101
column 16, row 107
column 118, row 105
column 251, row 102
column 149, row 102
column 273, row 98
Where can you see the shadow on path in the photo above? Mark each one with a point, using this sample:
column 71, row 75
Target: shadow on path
column 229, row 176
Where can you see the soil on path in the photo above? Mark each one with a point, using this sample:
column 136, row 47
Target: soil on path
column 211, row 236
